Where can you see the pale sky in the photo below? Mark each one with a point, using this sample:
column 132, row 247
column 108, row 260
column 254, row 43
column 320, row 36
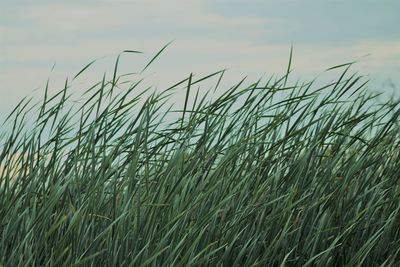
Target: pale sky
column 250, row 37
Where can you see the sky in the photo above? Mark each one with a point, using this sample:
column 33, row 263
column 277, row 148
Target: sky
column 249, row 37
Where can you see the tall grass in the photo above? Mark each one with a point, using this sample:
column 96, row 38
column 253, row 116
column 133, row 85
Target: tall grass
column 267, row 174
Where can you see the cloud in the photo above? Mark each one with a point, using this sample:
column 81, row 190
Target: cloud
column 249, row 38
column 320, row 22
column 69, row 31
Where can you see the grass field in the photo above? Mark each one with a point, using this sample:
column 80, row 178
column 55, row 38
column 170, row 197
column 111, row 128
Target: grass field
column 271, row 173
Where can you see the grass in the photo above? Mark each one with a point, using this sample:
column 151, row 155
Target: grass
column 266, row 174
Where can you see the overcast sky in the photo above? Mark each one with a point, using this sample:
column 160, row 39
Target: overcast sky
column 250, row 37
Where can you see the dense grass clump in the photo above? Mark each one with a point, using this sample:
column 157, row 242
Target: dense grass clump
column 265, row 174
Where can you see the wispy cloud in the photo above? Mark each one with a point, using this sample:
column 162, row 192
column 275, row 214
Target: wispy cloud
column 248, row 37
